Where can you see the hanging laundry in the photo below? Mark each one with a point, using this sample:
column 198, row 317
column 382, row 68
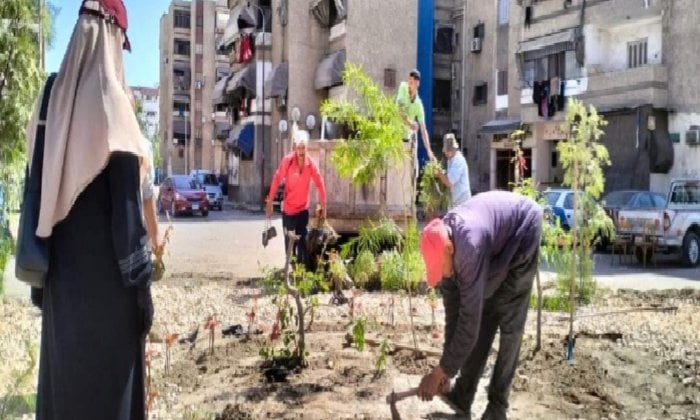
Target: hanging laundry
column 245, row 54
column 551, row 106
column 554, row 86
column 561, row 98
column 537, row 91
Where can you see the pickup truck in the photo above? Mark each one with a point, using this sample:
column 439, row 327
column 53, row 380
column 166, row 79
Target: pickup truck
column 674, row 229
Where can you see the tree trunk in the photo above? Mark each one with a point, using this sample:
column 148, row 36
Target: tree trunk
column 294, row 292
column 538, row 344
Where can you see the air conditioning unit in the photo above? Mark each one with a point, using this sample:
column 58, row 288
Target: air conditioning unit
column 476, row 45
column 692, row 137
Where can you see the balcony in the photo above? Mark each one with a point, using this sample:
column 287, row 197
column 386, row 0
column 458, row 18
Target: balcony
column 629, row 87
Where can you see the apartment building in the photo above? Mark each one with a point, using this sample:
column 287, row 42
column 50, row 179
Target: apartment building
column 309, row 44
column 149, row 116
column 191, row 135
column 468, row 43
column 633, row 60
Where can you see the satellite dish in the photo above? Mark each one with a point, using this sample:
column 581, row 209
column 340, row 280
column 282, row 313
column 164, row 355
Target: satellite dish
column 282, row 126
column 310, row 121
column 296, row 114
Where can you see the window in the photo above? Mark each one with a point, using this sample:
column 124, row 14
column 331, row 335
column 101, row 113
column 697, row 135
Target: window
column 637, row 53
column 502, row 82
column 480, row 94
column 181, row 107
column 151, row 114
column 544, row 68
column 390, row 78
column 182, row 19
column 443, row 90
column 569, row 201
column 503, row 11
column 644, row 200
column 182, row 47
column 479, row 31
column 444, row 40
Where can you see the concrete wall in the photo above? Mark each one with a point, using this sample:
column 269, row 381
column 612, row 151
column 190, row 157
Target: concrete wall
column 480, row 67
column 686, row 157
column 682, row 51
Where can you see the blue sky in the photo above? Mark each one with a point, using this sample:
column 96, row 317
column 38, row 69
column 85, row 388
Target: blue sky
column 144, row 31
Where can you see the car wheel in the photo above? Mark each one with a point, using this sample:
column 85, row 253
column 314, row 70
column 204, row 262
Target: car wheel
column 205, row 213
column 691, row 249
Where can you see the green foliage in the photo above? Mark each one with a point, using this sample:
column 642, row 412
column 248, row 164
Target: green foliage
column 21, row 78
column 307, row 282
column 358, row 333
column 380, row 362
column 434, row 195
column 375, row 119
column 373, row 237
column 363, row 267
column 155, row 144
column 12, row 402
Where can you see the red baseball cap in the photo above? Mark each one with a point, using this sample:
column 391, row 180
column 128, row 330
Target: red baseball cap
column 114, row 12
column 433, row 241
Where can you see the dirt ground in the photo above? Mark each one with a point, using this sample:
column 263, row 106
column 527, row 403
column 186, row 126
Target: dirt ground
column 624, row 375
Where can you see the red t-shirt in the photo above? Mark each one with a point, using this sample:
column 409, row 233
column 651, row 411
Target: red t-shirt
column 296, row 183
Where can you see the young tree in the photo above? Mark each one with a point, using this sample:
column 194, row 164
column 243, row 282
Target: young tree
column 583, row 158
column 25, row 25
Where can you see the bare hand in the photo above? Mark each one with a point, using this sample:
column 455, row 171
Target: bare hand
column 268, row 209
column 431, row 384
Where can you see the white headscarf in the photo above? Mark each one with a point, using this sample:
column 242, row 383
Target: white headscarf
column 89, row 117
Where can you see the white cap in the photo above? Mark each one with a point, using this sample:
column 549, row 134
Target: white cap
column 300, row 137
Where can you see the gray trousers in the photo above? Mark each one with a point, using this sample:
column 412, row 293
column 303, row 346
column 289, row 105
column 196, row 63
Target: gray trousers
column 506, row 311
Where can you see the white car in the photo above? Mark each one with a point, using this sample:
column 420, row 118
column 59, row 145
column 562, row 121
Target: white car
column 560, row 205
column 211, row 185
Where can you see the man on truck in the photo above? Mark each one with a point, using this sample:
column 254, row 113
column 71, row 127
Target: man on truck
column 483, row 254
column 297, row 170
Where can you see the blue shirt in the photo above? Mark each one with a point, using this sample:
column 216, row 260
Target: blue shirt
column 458, row 174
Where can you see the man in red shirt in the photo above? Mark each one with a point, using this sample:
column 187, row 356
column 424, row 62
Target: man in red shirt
column 297, row 170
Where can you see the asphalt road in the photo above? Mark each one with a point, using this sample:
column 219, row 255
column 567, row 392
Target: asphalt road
column 227, row 245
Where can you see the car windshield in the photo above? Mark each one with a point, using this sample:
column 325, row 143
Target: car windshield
column 185, row 183
column 207, row 179
column 620, row 198
column 552, row 197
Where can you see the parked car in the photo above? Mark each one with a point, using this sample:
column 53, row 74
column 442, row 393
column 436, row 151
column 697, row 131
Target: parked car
column 182, row 194
column 560, row 206
column 210, row 183
column 632, row 199
column 673, row 229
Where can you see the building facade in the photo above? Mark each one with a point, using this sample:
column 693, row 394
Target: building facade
column 191, row 136
column 149, row 116
column 626, row 58
column 309, row 44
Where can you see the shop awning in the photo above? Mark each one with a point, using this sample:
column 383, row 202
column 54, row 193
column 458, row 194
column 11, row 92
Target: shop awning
column 242, row 137
column 219, row 94
column 276, row 82
column 238, row 15
column 503, row 126
column 244, row 78
column 330, row 70
column 548, row 44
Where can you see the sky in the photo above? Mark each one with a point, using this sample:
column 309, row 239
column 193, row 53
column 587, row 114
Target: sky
column 144, row 31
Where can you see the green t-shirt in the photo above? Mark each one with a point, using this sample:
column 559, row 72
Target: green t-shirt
column 413, row 110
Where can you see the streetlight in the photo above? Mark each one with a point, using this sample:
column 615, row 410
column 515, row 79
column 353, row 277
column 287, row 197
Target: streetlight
column 262, row 142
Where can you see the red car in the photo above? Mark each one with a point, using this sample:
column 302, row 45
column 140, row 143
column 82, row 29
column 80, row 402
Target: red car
column 182, row 194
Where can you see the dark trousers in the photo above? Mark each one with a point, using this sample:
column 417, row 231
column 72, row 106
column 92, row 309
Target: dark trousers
column 297, row 223
column 506, row 311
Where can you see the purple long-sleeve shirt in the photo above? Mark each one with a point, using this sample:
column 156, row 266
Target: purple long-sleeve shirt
column 493, row 233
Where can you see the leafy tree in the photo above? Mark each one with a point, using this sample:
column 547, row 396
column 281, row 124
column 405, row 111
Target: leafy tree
column 375, row 120
column 22, row 23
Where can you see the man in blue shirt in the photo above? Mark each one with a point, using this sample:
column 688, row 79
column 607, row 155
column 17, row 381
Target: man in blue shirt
column 457, row 176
